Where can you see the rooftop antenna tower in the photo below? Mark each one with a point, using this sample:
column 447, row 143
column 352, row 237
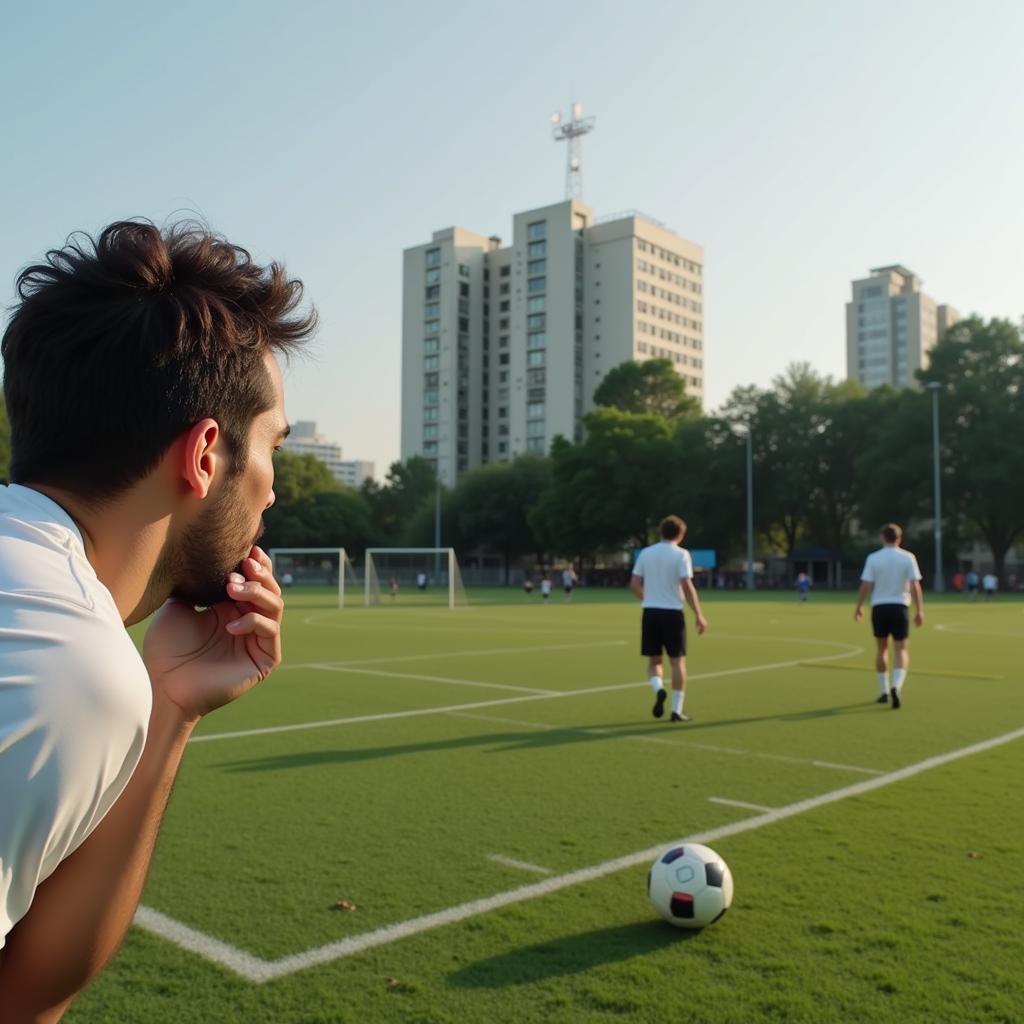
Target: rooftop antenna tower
column 572, row 131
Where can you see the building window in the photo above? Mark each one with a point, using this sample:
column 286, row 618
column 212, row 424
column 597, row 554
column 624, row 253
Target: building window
column 535, row 322
column 430, row 431
column 463, row 270
column 504, row 288
column 503, row 307
column 536, row 284
column 505, row 271
column 431, row 345
column 434, row 292
column 535, row 444
column 539, row 339
column 463, row 323
column 432, row 327
column 430, row 414
column 432, row 309
column 535, row 428
column 535, row 358
column 430, row 397
column 535, row 305
column 463, row 290
column 537, row 267
column 433, row 257
column 538, row 229
column 535, row 411
column 503, row 324
column 503, row 359
column 535, row 377
column 503, row 341
column 536, row 249
column 432, row 363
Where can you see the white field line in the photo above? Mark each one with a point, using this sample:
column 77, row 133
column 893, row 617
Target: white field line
column 405, row 627
column 738, row 803
column 509, row 862
column 449, row 708
column 678, row 743
column 436, row 679
column 455, row 654
column 956, row 630
column 257, row 970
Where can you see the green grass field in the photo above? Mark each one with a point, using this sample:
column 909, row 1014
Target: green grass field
column 452, row 775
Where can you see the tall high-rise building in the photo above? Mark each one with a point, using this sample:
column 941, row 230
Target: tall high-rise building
column 502, row 347
column 891, row 326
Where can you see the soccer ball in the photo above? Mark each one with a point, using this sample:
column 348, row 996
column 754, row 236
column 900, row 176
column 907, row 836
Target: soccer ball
column 690, row 886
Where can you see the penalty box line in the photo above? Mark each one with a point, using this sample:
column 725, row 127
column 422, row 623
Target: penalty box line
column 255, row 969
column 270, row 730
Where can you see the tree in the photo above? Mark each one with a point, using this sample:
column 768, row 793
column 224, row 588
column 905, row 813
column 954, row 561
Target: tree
column 492, row 505
column 651, row 386
column 610, row 489
column 980, row 367
column 407, row 488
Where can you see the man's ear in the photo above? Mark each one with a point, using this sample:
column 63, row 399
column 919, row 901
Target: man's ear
column 201, row 457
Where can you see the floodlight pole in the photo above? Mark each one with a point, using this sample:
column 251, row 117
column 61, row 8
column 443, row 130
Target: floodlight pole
column 934, row 387
column 437, row 531
column 750, row 511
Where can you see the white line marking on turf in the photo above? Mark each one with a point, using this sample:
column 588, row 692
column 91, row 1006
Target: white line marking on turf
column 257, row 970
column 435, row 679
column 448, row 708
column 678, row 742
column 738, row 803
column 847, row 767
column 509, row 862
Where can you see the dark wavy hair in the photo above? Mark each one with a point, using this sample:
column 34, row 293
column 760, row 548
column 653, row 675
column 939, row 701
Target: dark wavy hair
column 121, row 343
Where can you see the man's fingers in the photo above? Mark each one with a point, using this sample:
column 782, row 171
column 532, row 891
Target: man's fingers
column 252, row 623
column 258, row 596
column 257, row 567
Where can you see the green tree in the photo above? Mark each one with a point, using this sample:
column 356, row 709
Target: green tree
column 651, row 386
column 980, row 368
column 493, row 503
column 395, row 504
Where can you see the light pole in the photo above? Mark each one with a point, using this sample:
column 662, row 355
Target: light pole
column 934, row 387
column 750, row 511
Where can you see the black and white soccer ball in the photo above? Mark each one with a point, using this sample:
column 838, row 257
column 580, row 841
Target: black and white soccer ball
column 690, row 886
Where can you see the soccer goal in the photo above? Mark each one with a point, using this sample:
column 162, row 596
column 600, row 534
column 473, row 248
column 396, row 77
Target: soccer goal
column 315, row 567
column 414, row 576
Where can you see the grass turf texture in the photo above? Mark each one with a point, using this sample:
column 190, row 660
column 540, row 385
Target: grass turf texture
column 901, row 904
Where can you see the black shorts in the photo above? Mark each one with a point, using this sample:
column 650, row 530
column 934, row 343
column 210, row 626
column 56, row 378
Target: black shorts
column 663, row 628
column 890, row 620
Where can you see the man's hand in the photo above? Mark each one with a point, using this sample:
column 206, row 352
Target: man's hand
column 203, row 660
column 919, row 618
column 858, row 614
column 701, row 623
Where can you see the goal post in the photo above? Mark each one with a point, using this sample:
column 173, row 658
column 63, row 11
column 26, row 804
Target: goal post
column 429, row 575
column 312, row 566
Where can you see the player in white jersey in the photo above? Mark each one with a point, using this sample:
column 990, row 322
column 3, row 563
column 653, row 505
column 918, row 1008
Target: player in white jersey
column 892, row 578
column 145, row 404
column 662, row 578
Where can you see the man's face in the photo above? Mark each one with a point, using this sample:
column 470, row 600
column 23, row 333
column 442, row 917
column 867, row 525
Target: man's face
column 215, row 544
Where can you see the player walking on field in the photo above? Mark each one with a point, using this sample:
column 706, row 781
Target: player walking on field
column 145, row 403
column 891, row 577
column 663, row 578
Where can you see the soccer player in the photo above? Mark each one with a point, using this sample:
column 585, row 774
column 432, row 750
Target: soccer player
column 145, row 403
column 803, row 586
column 545, row 588
column 568, row 581
column 662, row 578
column 891, row 577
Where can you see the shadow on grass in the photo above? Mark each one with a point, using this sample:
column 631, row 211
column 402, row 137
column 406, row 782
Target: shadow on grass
column 573, row 954
column 527, row 739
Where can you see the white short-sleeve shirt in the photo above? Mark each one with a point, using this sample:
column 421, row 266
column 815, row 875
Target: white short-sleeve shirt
column 891, row 570
column 75, row 697
column 662, row 566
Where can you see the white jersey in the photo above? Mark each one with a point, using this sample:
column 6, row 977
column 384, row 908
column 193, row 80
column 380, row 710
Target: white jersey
column 545, row 587
column 75, row 697
column 662, row 566
column 568, row 577
column 892, row 570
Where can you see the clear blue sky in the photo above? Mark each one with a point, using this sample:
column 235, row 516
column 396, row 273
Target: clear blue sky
column 799, row 142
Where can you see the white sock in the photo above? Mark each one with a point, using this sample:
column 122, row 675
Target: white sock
column 883, row 682
column 656, row 683
column 898, row 675
column 677, row 701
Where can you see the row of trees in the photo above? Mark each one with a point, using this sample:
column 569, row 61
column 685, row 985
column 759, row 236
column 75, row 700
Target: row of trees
column 827, row 457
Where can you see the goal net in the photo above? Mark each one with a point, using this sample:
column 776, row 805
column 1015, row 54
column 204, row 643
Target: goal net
column 315, row 567
column 414, row 576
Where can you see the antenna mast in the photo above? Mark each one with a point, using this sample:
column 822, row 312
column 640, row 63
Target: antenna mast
column 572, row 131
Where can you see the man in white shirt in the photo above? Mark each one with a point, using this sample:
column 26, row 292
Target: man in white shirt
column 662, row 578
column 145, row 404
column 568, row 581
column 891, row 577
column 989, row 584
